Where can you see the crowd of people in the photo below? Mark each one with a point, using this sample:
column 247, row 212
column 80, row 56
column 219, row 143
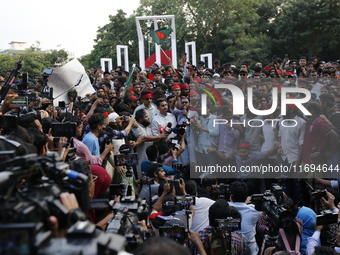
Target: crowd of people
column 157, row 122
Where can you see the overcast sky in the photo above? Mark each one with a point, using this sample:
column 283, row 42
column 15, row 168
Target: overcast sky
column 72, row 24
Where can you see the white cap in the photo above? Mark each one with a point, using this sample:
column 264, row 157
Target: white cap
column 157, row 64
column 113, row 116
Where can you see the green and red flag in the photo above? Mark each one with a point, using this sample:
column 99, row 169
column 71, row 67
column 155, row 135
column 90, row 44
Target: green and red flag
column 160, row 35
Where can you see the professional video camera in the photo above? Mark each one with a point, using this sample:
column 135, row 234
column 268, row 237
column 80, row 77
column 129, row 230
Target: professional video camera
column 128, row 214
column 26, row 208
column 180, row 203
column 229, row 224
column 220, row 191
column 279, row 215
column 82, row 103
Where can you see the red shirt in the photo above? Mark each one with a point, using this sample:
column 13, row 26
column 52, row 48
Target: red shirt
column 315, row 136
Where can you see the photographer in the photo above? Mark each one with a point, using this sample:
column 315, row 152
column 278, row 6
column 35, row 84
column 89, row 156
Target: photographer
column 202, row 204
column 216, row 238
column 170, row 212
column 156, row 172
column 82, row 151
column 97, row 124
column 239, row 198
column 153, row 153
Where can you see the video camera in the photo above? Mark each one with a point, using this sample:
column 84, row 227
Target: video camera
column 25, row 209
column 229, row 224
column 128, row 214
column 271, row 202
column 220, row 191
column 180, row 203
column 82, row 103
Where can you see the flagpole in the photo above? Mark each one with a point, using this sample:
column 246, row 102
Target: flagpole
column 163, row 52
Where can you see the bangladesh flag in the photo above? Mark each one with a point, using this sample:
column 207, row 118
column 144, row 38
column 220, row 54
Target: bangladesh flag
column 160, row 35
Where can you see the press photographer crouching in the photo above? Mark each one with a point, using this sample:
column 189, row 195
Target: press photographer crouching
column 221, row 236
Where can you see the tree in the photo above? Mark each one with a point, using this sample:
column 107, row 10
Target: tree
column 309, row 28
column 34, row 61
column 121, row 30
column 227, row 29
column 57, row 57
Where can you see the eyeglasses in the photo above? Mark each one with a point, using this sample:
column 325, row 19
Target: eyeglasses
column 185, row 102
column 150, row 99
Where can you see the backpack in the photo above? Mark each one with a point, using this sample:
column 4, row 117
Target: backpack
column 217, row 243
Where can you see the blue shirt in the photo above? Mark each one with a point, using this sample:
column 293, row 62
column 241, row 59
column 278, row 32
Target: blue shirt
column 248, row 224
column 91, row 141
column 168, row 170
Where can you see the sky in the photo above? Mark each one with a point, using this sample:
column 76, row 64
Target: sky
column 73, row 24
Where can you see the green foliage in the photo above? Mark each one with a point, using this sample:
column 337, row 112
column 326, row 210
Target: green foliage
column 309, row 28
column 121, row 30
column 57, row 57
column 34, row 62
column 233, row 30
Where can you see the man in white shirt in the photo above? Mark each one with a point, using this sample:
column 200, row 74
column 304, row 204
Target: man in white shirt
column 202, row 204
column 291, row 137
column 163, row 119
column 146, row 100
column 142, row 129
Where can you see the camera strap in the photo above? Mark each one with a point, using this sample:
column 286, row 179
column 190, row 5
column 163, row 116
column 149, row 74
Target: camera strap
column 296, row 251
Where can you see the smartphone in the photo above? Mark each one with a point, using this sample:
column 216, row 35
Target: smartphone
column 66, row 129
column 61, row 104
column 56, row 143
column 326, row 219
column 20, row 101
column 274, row 57
column 100, row 204
column 286, row 55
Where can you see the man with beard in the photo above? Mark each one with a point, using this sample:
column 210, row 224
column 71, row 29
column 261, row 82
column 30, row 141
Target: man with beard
column 183, row 117
column 193, row 100
column 185, row 89
column 291, row 137
column 143, row 129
